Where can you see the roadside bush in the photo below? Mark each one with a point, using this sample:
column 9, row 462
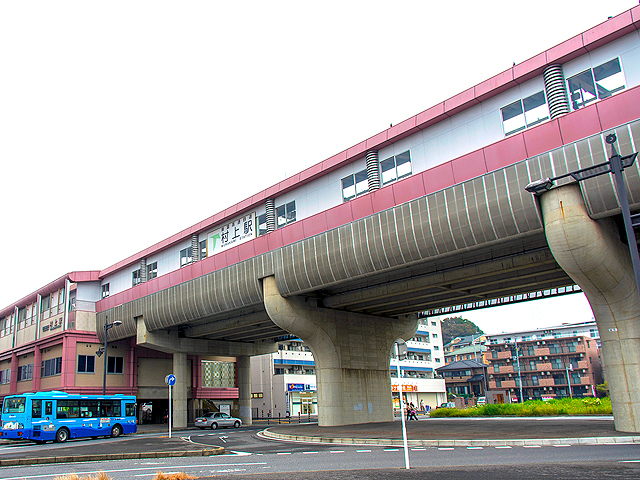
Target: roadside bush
column 533, row 408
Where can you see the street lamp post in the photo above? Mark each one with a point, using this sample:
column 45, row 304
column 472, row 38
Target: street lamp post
column 103, row 350
column 615, row 165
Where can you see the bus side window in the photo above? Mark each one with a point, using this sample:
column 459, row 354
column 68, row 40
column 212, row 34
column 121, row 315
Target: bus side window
column 48, row 408
column 36, row 409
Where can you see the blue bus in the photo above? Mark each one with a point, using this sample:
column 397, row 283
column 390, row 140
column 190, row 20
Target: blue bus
column 59, row 416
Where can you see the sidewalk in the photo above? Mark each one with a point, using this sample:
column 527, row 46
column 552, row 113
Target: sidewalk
column 478, row 431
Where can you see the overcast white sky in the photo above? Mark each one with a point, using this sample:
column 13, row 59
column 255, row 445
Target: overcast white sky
column 123, row 122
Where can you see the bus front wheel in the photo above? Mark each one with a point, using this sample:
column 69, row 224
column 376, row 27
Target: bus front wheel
column 116, row 431
column 62, row 435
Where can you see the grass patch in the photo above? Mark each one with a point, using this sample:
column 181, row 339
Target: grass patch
column 533, row 408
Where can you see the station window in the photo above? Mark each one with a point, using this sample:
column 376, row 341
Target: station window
column 105, row 290
column 51, row 367
column 152, row 270
column 596, row 83
column 396, row 167
column 22, row 317
column 136, row 277
column 115, row 364
column 86, row 364
column 286, row 214
column 262, row 224
column 25, row 372
column 525, row 113
column 354, row 185
column 203, row 249
column 186, row 256
column 45, row 303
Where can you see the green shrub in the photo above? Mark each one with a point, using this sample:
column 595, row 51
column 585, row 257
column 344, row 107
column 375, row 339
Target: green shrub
column 533, row 408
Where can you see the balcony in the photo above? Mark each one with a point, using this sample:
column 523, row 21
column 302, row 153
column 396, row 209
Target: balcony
column 546, row 382
column 541, row 351
column 503, row 355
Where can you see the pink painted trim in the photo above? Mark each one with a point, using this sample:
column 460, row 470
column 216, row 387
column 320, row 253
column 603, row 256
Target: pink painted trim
column 37, row 364
column 606, row 32
column 13, row 381
column 68, row 379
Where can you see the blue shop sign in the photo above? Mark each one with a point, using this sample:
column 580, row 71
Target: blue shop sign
column 300, row 387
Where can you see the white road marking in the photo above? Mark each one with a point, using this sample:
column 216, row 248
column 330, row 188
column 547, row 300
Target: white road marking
column 474, row 448
column 336, row 451
column 283, row 453
column 504, row 446
column 391, row 450
column 363, row 451
column 417, row 449
column 562, row 445
column 445, row 448
column 309, row 453
column 531, row 446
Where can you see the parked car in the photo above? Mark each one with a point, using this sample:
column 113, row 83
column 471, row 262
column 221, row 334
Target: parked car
column 481, row 401
column 447, row 405
column 217, row 419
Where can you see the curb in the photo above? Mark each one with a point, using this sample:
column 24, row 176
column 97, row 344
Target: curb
column 12, row 462
column 453, row 442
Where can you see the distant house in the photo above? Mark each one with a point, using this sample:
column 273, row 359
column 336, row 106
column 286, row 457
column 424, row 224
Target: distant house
column 464, row 377
column 471, row 352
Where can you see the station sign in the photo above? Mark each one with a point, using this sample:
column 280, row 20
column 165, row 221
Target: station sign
column 231, row 234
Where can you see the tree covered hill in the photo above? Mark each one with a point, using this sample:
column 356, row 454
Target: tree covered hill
column 457, row 327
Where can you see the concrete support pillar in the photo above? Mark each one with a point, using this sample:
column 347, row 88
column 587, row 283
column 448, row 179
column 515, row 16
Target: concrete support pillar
column 351, row 353
column 592, row 254
column 244, row 388
column 179, row 390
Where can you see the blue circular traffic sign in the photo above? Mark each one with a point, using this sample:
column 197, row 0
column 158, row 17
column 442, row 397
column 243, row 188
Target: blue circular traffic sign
column 170, row 379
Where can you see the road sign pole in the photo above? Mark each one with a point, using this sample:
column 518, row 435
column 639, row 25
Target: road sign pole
column 171, row 381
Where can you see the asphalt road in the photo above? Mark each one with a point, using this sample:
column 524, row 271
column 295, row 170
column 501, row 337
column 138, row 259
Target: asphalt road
column 577, row 461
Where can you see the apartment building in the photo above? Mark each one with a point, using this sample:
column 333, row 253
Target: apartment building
column 547, row 363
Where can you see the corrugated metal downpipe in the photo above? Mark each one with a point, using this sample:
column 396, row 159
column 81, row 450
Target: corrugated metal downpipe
column 554, row 86
column 143, row 269
column 270, row 206
column 373, row 170
column 195, row 248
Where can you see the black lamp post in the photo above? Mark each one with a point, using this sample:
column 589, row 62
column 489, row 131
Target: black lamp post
column 103, row 350
column 615, row 165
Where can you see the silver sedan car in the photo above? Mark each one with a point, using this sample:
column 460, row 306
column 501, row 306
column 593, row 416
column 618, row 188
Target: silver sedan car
column 217, row 419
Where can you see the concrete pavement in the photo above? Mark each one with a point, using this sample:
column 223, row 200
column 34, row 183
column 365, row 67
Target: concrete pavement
column 473, row 431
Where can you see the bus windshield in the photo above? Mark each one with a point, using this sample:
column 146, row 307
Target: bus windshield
column 14, row 405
